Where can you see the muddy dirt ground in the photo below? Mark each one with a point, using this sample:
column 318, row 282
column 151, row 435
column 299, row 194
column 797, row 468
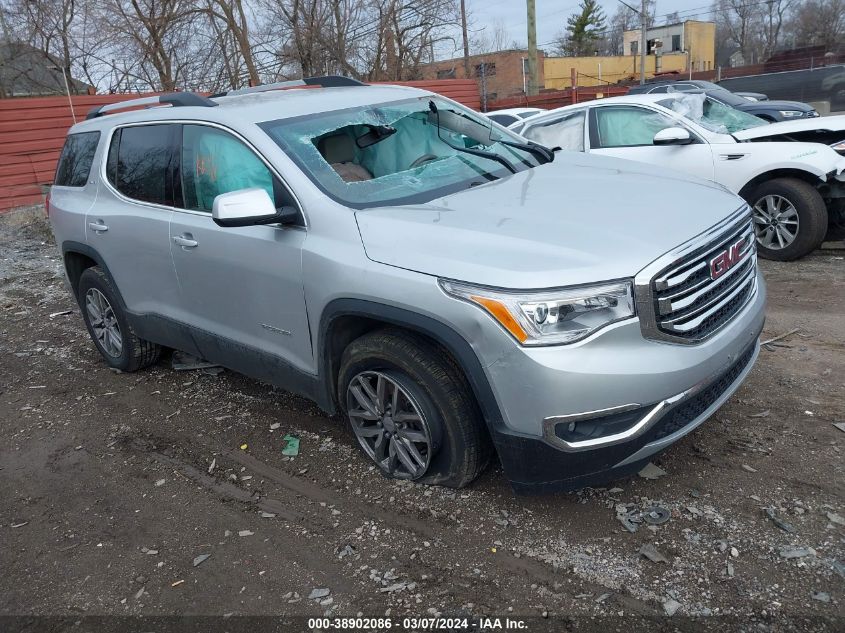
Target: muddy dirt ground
column 112, row 485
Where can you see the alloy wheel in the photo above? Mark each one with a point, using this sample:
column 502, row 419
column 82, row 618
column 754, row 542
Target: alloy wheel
column 389, row 425
column 775, row 222
column 104, row 322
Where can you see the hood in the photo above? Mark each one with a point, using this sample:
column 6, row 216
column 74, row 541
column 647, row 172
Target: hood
column 760, row 106
column 580, row 219
column 828, row 123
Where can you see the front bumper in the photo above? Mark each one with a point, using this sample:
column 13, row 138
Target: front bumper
column 646, row 394
column 535, row 466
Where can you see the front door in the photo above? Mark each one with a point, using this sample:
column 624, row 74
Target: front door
column 241, row 288
column 628, row 132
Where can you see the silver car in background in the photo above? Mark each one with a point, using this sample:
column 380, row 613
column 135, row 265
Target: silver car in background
column 392, row 255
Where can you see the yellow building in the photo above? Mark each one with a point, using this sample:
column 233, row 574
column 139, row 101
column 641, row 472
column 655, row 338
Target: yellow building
column 683, row 47
column 695, row 39
column 601, row 70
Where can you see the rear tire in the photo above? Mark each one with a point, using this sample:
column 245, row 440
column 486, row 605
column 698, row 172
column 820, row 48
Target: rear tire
column 436, row 409
column 790, row 218
column 108, row 326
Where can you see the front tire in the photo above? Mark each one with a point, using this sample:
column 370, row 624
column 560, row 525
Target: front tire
column 108, row 326
column 411, row 410
column 790, row 218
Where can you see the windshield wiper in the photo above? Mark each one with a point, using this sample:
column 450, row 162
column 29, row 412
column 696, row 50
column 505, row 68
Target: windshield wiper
column 468, row 150
column 543, row 153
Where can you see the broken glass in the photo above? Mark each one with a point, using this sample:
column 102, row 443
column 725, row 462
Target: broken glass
column 394, row 153
column 710, row 114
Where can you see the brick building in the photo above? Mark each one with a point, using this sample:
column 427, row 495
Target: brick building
column 499, row 75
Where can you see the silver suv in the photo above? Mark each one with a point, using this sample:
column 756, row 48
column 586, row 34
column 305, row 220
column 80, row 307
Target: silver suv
column 394, row 255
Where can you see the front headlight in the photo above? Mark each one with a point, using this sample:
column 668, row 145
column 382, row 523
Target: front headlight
column 550, row 317
column 839, row 146
column 791, row 114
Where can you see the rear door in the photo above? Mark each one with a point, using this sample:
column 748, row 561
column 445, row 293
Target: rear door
column 566, row 130
column 627, row 131
column 241, row 288
column 129, row 223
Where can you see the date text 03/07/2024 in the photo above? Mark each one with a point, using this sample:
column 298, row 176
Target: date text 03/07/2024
column 417, row 624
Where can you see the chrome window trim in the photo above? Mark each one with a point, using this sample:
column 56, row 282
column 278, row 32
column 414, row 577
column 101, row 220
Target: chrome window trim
column 642, row 280
column 164, row 207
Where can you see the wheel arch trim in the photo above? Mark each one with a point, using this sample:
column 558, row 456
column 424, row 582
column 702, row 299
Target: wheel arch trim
column 72, row 247
column 443, row 334
column 811, row 177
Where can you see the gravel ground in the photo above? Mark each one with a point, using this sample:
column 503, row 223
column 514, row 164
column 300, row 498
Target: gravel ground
column 166, row 493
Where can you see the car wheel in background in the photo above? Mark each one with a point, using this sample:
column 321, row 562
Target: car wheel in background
column 790, row 218
column 107, row 324
column 411, row 410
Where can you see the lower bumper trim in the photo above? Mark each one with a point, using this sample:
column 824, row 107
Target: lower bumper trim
column 733, row 377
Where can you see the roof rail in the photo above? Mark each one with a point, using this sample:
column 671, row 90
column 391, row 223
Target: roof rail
column 175, row 99
column 329, row 81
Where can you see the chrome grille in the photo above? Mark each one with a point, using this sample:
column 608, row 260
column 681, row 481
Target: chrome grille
column 703, row 285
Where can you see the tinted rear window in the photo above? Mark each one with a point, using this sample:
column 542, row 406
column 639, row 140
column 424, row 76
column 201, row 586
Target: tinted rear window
column 139, row 158
column 76, row 158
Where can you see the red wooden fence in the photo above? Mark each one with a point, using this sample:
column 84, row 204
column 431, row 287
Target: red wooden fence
column 557, row 98
column 32, row 131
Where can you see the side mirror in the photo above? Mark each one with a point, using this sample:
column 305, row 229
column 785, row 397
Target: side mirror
column 672, row 136
column 248, row 207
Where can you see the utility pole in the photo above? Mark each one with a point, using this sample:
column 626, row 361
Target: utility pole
column 532, row 48
column 643, row 22
column 466, row 40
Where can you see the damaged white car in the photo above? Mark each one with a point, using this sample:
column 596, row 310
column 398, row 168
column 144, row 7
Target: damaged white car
column 797, row 188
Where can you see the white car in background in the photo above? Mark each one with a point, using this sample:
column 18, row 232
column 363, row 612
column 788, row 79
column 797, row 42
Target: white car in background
column 797, row 188
column 512, row 116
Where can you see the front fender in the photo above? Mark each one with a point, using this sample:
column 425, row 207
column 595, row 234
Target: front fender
column 457, row 346
column 813, row 162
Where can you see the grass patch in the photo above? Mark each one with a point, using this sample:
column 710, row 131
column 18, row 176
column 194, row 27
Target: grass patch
column 28, row 222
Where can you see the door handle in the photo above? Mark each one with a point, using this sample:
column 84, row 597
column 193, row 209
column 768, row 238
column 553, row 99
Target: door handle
column 185, row 241
column 98, row 226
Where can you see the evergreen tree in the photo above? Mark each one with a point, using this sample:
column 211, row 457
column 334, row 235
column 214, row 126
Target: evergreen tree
column 584, row 30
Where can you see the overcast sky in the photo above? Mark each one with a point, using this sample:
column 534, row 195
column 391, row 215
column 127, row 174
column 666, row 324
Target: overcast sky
column 552, row 15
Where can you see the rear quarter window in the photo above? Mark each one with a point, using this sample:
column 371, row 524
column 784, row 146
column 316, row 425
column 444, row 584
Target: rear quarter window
column 76, row 159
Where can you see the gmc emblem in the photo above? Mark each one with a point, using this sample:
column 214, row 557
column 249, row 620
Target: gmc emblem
column 727, row 259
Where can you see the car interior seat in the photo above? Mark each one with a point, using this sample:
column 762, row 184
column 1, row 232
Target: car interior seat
column 339, row 152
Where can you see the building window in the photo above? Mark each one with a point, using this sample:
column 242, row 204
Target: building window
column 634, row 47
column 485, row 69
column 676, row 43
column 446, row 74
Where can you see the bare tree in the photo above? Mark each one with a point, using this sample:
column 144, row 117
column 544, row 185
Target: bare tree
column 124, row 45
column 235, row 24
column 818, row 22
column 739, row 22
column 774, row 13
column 491, row 40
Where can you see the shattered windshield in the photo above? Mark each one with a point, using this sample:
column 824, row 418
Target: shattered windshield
column 394, row 153
column 710, row 114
